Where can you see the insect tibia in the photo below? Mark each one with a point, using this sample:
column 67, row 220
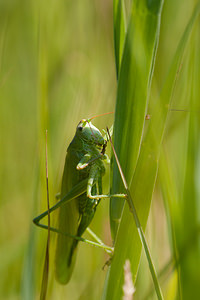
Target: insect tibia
column 72, row 252
column 83, row 163
column 81, row 166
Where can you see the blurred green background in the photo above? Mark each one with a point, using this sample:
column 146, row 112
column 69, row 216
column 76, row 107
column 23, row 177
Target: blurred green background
column 57, row 66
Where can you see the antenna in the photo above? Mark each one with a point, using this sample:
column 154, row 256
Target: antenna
column 108, row 113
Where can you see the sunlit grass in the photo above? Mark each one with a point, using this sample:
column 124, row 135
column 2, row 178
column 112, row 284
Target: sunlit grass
column 57, row 65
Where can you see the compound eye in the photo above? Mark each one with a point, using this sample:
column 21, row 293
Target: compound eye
column 80, row 128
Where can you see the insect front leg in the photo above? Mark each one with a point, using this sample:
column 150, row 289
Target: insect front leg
column 85, row 160
column 90, row 158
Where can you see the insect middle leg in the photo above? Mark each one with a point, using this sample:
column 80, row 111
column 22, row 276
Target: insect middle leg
column 95, row 175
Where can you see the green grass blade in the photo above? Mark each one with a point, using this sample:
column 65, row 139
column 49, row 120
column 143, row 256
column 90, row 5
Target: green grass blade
column 45, row 276
column 46, row 262
column 170, row 197
column 187, row 220
column 139, row 227
column 119, row 31
column 190, row 265
column 128, row 245
column 182, row 200
column 132, row 94
column 28, row 284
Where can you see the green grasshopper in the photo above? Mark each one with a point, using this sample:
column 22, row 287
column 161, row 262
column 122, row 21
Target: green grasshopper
column 81, row 192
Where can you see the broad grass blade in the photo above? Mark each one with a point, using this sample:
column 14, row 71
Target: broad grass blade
column 132, row 94
column 119, row 31
column 138, row 225
column 183, row 206
column 187, row 234
column 127, row 244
